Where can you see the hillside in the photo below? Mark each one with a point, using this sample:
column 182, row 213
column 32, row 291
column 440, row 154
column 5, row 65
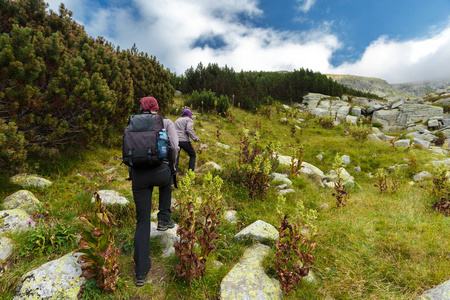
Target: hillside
column 385, row 242
column 384, row 89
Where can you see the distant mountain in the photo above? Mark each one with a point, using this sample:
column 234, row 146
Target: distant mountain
column 386, row 90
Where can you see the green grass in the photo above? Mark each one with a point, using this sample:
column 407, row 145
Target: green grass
column 379, row 246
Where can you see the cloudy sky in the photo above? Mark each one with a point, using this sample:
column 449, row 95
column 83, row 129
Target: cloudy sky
column 396, row 40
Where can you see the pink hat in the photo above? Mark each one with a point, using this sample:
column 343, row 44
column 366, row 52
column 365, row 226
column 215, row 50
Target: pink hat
column 149, row 104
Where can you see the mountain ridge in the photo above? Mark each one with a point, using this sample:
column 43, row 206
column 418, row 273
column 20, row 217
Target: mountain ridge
column 390, row 91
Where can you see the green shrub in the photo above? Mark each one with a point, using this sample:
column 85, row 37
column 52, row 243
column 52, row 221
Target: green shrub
column 208, row 102
column 12, row 147
column 359, row 131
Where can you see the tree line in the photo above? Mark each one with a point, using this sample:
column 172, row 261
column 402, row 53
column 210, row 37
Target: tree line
column 249, row 90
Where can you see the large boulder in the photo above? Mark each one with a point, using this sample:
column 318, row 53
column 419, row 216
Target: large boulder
column 22, row 199
column 259, row 231
column 247, row 279
column 421, row 112
column 391, row 120
column 57, row 279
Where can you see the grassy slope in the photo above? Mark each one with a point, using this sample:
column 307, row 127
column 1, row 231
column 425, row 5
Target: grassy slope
column 379, row 246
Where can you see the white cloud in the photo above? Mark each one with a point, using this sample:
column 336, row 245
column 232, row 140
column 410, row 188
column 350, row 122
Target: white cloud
column 305, row 5
column 168, row 30
column 404, row 61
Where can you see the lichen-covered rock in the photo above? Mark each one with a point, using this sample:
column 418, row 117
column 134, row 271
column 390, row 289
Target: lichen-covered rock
column 26, row 180
column 15, row 220
column 6, row 248
column 22, row 199
column 111, row 197
column 422, row 176
column 441, row 292
column 345, row 177
column 247, row 279
column 57, row 279
column 259, row 231
column 166, row 238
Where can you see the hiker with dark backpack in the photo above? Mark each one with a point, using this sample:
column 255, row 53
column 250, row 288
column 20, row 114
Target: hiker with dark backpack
column 150, row 146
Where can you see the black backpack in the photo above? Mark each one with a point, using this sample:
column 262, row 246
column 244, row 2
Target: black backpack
column 140, row 141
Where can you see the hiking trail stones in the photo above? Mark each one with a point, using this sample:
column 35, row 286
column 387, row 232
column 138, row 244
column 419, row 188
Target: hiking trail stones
column 247, row 279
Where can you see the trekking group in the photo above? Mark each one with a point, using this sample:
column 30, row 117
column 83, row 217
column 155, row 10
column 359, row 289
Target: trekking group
column 151, row 148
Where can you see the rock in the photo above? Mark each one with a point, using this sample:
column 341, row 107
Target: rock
column 26, row 180
column 441, row 292
column 374, row 108
column 433, row 123
column 424, row 175
column 6, row 248
column 15, row 220
column 22, row 199
column 247, row 279
column 402, row 143
column 213, row 165
column 286, row 191
column 166, row 238
column 357, row 169
column 230, row 216
column 309, row 169
column 226, row 147
column 109, row 171
column 324, row 206
column 110, row 197
column 58, row 279
column 351, row 119
column 421, row 112
column 281, row 177
column 319, row 157
column 259, row 231
column 346, row 178
column 345, row 159
column 286, row 107
column 423, row 143
column 396, row 104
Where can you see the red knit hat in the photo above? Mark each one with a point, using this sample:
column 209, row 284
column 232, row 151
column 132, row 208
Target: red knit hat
column 149, row 104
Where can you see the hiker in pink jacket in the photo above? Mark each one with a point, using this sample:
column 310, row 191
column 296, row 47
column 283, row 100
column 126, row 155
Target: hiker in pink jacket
column 185, row 130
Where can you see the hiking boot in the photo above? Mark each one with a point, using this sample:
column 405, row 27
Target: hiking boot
column 164, row 225
column 140, row 280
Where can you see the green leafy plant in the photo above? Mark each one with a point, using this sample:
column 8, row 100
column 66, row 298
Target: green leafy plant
column 359, row 131
column 294, row 252
column 296, row 161
column 46, row 239
column 257, row 176
column 340, row 191
column 198, row 225
column 326, row 121
column 97, row 245
column 385, row 182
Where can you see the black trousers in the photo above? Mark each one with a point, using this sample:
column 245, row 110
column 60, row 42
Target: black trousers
column 143, row 181
column 187, row 146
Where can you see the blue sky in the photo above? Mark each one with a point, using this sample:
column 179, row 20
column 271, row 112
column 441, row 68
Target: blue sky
column 396, row 40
